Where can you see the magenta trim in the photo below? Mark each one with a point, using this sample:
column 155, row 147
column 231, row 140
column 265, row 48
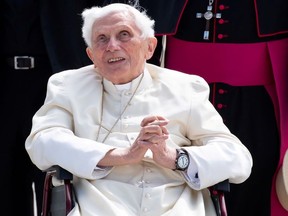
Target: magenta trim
column 234, row 64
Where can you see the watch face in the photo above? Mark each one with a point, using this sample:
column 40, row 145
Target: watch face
column 183, row 161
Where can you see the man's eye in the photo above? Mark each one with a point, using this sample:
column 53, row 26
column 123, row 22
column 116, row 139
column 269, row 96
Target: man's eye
column 124, row 35
column 102, row 38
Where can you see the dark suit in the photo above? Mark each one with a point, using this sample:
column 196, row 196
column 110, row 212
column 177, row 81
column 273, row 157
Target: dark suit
column 50, row 33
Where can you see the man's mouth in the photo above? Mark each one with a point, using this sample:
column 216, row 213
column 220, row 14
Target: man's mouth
column 112, row 60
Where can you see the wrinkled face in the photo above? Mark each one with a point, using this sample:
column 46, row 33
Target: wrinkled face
column 118, row 52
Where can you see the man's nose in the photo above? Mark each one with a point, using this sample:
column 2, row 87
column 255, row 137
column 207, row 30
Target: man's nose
column 112, row 45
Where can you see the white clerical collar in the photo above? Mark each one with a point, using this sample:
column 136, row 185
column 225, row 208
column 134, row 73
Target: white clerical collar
column 122, row 87
column 113, row 89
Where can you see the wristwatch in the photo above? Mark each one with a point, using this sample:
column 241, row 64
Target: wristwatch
column 182, row 160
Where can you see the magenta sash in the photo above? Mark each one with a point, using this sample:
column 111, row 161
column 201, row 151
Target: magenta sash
column 234, row 64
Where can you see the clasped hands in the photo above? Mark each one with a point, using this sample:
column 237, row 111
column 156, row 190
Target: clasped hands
column 153, row 136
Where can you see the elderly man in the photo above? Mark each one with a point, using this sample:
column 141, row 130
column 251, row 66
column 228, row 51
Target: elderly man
column 139, row 139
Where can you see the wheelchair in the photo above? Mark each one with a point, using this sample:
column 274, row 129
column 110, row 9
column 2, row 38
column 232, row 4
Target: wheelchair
column 59, row 200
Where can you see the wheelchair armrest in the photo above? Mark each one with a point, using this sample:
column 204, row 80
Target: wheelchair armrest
column 222, row 186
column 60, row 173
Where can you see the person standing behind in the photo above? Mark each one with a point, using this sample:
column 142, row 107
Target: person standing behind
column 241, row 48
column 38, row 38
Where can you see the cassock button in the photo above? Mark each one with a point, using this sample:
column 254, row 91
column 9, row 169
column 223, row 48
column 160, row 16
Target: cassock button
column 221, row 7
column 145, row 209
column 139, row 183
column 148, row 195
column 221, row 21
column 220, row 36
column 219, row 106
column 128, row 93
column 221, row 91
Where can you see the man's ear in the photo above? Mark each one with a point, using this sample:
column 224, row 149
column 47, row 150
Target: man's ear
column 152, row 43
column 90, row 53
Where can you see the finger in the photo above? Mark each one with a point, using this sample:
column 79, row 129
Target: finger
column 162, row 125
column 164, row 130
column 159, row 122
column 151, row 136
column 152, row 141
column 152, row 129
column 147, row 137
column 150, row 119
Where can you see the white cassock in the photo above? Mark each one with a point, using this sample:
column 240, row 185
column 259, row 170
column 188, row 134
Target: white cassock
column 66, row 127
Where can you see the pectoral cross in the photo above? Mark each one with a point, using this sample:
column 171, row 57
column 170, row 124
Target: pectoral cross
column 208, row 15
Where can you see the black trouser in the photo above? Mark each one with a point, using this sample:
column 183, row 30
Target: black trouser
column 22, row 93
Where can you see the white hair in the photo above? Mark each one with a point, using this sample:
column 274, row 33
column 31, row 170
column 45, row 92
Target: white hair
column 92, row 15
